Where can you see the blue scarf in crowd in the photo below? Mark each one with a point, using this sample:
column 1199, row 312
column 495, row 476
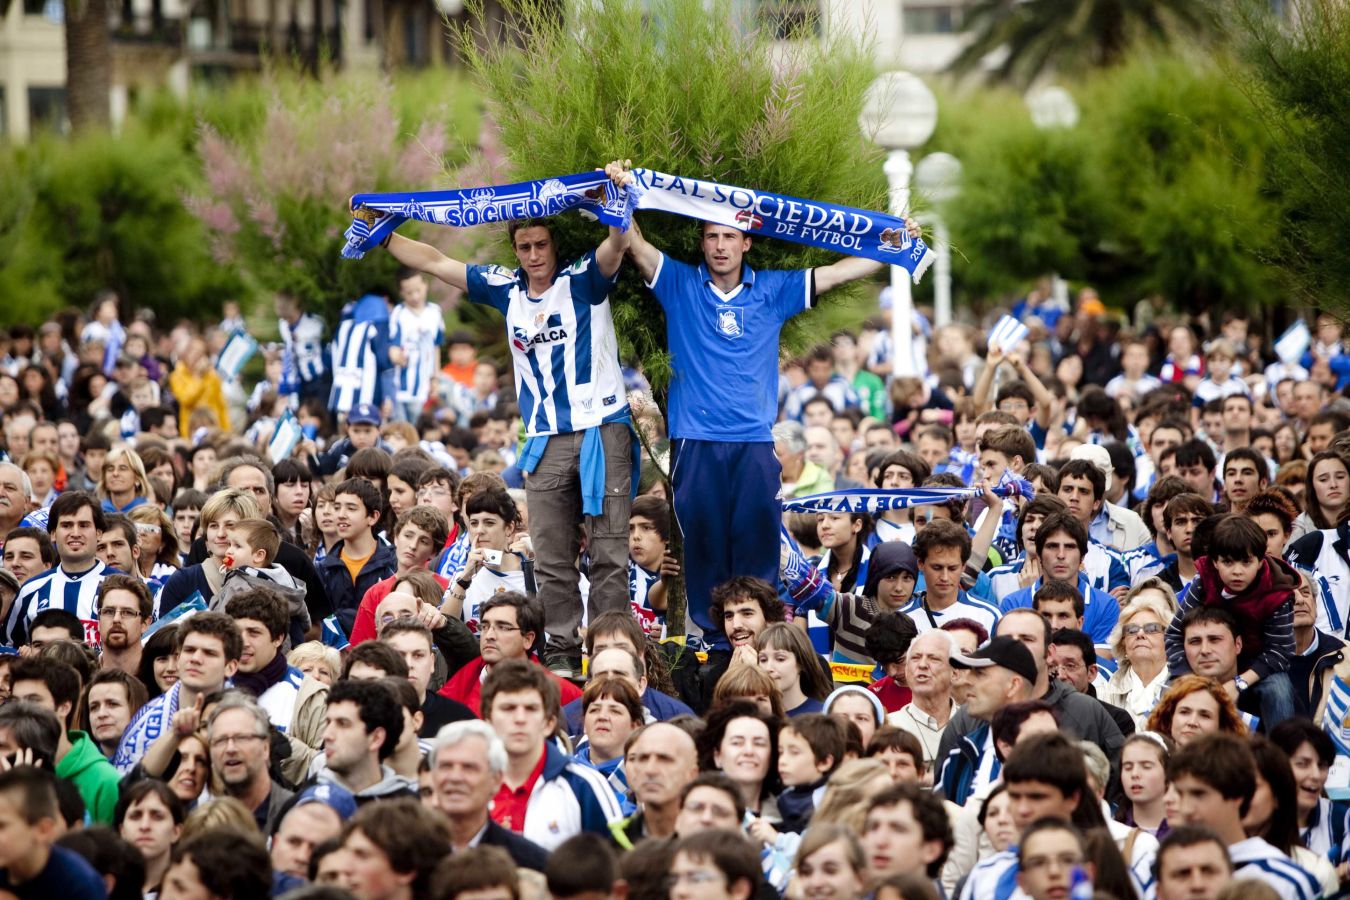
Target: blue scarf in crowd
column 857, row 232
column 880, row 500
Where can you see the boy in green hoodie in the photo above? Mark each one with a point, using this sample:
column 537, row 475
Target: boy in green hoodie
column 56, row 686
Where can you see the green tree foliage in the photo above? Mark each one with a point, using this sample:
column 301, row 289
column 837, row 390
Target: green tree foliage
column 274, row 192
column 101, row 212
column 1073, row 36
column 678, row 86
column 683, row 87
column 1298, row 78
column 1156, row 190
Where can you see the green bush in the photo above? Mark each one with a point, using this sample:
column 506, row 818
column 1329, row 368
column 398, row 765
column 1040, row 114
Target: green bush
column 1158, row 189
column 104, row 212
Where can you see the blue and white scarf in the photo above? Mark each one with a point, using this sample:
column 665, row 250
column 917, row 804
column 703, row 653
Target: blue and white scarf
column 876, row 501
column 876, row 236
column 153, row 720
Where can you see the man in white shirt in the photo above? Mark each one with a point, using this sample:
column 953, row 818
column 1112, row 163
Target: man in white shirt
column 928, row 673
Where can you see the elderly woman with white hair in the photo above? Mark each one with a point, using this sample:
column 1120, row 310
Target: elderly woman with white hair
column 1137, row 642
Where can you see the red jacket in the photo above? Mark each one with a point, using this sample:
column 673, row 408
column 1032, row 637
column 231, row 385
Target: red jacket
column 466, row 686
column 364, row 628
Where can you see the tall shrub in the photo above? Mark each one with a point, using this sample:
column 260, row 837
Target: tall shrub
column 685, row 87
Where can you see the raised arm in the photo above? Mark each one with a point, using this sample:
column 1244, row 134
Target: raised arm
column 853, row 267
column 426, row 258
column 646, row 257
column 992, row 360
column 1045, row 399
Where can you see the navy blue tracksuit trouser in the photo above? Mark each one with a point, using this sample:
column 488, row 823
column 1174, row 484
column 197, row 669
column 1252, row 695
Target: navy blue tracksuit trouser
column 726, row 504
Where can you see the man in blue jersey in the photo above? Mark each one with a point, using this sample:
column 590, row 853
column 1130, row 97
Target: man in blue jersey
column 579, row 447
column 723, row 319
column 75, row 522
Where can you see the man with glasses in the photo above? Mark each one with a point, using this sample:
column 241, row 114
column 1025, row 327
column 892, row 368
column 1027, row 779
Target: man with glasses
column 508, row 628
column 1051, row 860
column 714, row 864
column 238, row 736
column 124, row 607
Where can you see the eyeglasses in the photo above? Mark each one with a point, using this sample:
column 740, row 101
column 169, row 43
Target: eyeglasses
column 498, row 627
column 1150, row 628
column 115, row 614
column 435, row 492
column 696, row 877
column 238, row 740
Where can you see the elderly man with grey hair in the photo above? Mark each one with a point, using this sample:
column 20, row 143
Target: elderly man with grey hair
column 800, row 477
column 16, row 495
column 467, row 763
column 239, row 735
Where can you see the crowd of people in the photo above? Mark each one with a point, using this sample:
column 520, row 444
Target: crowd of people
column 494, row 628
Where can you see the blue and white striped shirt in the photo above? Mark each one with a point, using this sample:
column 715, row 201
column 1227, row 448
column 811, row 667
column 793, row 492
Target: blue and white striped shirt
column 303, row 344
column 1254, row 858
column 419, row 332
column 57, row 589
column 563, row 345
column 355, row 366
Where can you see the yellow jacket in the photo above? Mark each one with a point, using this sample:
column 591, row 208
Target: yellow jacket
column 194, row 391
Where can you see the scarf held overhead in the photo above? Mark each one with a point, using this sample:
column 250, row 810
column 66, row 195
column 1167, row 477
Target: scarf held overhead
column 872, row 235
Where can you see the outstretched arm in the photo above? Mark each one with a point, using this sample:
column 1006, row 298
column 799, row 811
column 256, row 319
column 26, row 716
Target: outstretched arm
column 611, row 250
column 426, row 258
column 854, row 267
column 646, row 257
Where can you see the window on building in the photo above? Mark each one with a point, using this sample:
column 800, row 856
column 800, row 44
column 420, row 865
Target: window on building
column 790, row 19
column 937, row 19
column 47, row 109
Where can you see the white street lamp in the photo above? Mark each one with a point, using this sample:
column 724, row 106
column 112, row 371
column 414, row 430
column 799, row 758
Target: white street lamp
column 899, row 113
column 938, row 177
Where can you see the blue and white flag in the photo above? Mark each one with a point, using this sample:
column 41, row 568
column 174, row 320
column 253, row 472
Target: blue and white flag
column 876, row 501
column 873, row 235
column 1007, row 334
column 189, row 607
column 285, row 438
column 1295, row 341
column 238, row 350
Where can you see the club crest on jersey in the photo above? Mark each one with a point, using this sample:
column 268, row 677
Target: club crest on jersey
column 750, row 219
column 731, row 322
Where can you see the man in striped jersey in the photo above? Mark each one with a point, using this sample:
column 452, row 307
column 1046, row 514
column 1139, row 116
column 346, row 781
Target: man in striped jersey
column 416, row 332
column 1215, row 777
column 303, row 370
column 579, row 448
column 75, row 523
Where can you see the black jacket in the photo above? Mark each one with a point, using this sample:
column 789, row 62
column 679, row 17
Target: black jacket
column 523, row 852
column 344, row 595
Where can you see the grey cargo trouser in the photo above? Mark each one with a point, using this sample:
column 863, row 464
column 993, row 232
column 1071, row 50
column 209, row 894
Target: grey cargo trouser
column 554, row 494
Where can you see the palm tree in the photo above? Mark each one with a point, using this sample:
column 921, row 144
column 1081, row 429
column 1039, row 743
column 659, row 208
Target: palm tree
column 88, row 64
column 1072, row 35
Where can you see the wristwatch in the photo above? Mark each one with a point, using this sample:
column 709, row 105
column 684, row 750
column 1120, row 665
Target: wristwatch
column 1241, row 683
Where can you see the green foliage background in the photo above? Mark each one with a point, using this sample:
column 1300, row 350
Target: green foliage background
column 1164, row 186
column 680, row 90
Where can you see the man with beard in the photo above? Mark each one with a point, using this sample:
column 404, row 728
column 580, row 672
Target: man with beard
column 239, row 737
column 75, row 522
column 124, row 607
